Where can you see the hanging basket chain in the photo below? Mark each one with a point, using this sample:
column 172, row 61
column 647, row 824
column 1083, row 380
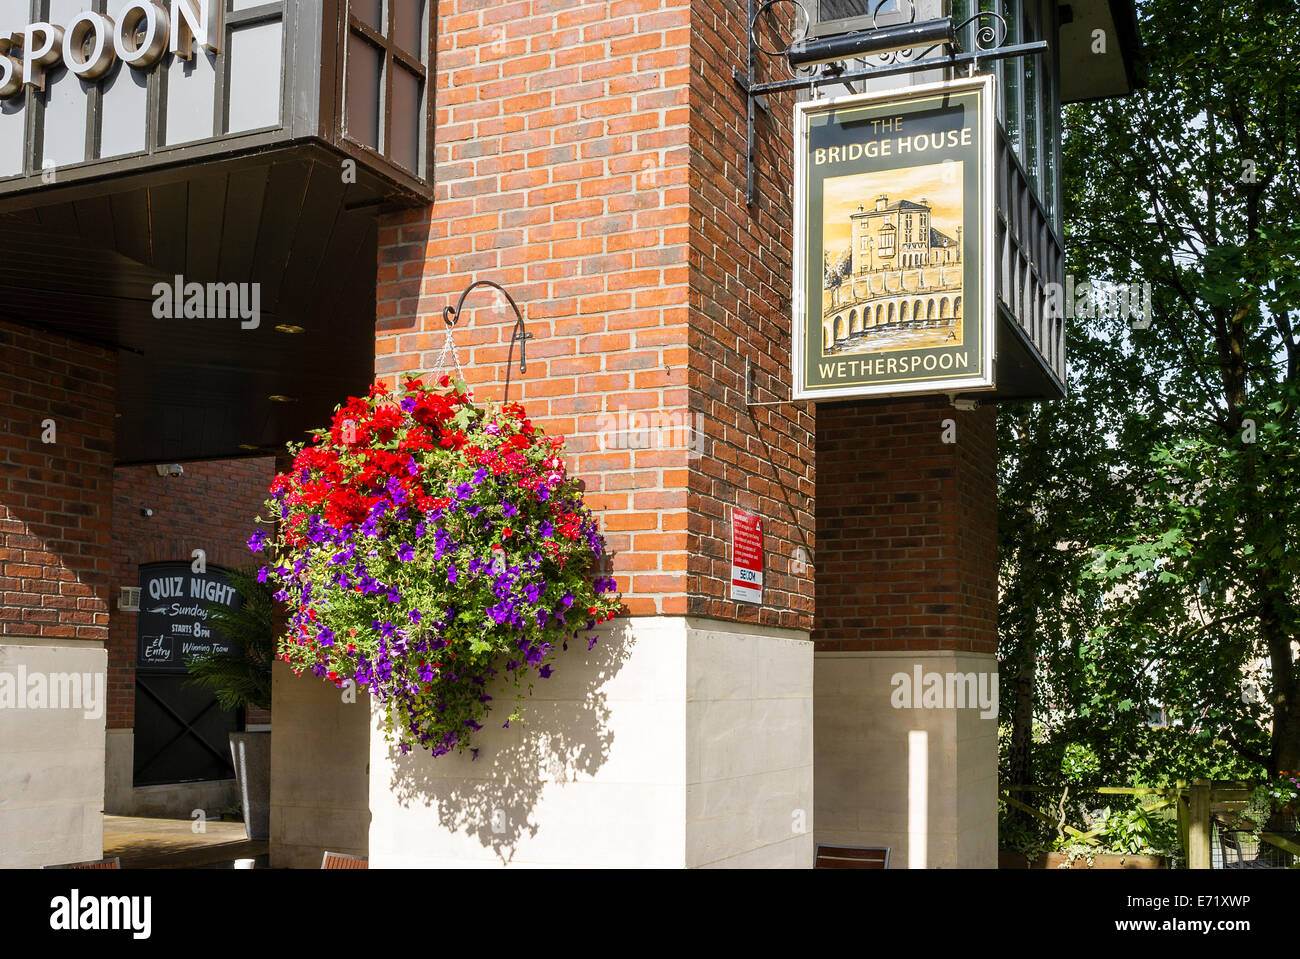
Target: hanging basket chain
column 440, row 365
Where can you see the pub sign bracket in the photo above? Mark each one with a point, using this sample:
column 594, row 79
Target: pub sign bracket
column 889, row 43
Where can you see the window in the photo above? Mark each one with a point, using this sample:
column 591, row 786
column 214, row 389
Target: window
column 841, row 16
column 1031, row 156
column 1012, row 70
column 384, row 79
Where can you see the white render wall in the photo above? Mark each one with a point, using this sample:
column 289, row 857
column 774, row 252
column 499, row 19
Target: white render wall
column 319, row 753
column 863, row 771
column 52, row 763
column 675, row 742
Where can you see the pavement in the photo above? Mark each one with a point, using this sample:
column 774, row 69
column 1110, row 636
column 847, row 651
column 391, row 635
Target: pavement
column 173, row 844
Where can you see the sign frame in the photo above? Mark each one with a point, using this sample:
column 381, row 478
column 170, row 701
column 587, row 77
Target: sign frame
column 146, row 617
column 985, row 86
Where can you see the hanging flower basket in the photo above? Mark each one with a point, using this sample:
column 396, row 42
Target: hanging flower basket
column 425, row 546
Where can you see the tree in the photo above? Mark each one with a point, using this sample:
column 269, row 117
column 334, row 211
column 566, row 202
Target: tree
column 1189, row 185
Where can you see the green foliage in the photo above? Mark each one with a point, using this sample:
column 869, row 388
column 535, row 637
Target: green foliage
column 1148, row 519
column 242, row 678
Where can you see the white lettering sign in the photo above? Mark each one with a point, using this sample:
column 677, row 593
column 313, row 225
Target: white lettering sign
column 91, row 42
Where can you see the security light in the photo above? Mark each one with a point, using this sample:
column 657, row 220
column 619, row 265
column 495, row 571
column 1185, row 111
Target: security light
column 866, row 43
column 170, row 469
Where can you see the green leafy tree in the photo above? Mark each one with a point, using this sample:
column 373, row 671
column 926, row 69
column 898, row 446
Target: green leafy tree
column 1189, row 185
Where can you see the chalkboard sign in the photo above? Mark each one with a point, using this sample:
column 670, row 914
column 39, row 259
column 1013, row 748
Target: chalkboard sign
column 172, row 624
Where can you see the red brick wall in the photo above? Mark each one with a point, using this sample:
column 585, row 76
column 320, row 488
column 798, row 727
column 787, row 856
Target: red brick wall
column 562, row 167
column 55, row 498
column 589, row 157
column 906, row 527
column 210, row 507
column 759, row 458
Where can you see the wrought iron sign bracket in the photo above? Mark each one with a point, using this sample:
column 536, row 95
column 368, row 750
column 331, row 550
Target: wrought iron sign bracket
column 990, row 37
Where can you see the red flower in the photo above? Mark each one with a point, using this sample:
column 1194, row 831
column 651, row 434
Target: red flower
column 417, row 439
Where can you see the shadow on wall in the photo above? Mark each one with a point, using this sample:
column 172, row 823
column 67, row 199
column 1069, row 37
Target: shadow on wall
column 564, row 737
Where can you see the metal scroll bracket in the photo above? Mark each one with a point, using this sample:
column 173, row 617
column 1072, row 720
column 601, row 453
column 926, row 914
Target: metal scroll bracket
column 989, row 44
column 451, row 314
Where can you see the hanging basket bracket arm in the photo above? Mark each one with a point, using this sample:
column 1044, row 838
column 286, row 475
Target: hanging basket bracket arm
column 451, row 314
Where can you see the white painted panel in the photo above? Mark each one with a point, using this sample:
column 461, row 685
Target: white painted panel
column 191, row 87
column 13, row 16
column 66, row 101
column 125, row 103
column 254, row 65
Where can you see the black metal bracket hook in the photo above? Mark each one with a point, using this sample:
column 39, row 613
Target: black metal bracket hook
column 450, row 315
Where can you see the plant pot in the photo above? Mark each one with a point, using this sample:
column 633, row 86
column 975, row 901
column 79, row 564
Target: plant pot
column 1101, row 860
column 251, row 755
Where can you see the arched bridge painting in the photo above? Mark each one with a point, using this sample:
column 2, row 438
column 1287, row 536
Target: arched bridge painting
column 893, row 269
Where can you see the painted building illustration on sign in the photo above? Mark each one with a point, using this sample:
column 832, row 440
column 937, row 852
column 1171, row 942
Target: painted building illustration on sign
column 898, row 282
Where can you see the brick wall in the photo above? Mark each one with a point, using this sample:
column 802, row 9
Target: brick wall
column 758, row 458
column 55, row 497
column 210, row 507
column 589, row 156
column 561, row 169
column 906, row 527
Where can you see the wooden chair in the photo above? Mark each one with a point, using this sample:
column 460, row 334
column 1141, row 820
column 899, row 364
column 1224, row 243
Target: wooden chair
column 339, row 860
column 114, row 863
column 851, row 857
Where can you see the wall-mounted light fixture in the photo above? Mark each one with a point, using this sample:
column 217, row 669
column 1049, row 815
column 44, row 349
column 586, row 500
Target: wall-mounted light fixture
column 128, row 599
column 170, row 469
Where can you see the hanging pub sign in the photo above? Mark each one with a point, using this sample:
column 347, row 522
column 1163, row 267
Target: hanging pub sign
column 172, row 625
column 893, row 268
